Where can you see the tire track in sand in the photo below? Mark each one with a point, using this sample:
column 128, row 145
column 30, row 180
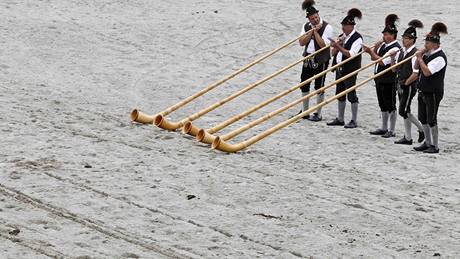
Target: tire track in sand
column 39, row 250
column 61, row 212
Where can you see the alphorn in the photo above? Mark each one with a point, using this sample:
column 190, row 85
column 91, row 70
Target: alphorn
column 232, row 148
column 138, row 116
column 270, row 115
column 206, row 135
column 163, row 123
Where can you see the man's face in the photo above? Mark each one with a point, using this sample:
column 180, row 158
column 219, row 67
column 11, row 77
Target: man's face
column 430, row 45
column 407, row 42
column 314, row 19
column 388, row 37
column 347, row 29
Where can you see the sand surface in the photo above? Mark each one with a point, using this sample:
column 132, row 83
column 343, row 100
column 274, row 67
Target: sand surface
column 79, row 180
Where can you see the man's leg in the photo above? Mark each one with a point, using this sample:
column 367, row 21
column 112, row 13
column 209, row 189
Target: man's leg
column 432, row 114
column 390, row 99
column 319, row 83
column 385, row 114
column 341, row 104
column 387, row 95
column 422, row 116
column 404, row 93
column 306, row 74
column 353, row 99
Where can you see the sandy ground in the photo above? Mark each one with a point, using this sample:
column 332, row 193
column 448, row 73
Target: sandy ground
column 78, row 180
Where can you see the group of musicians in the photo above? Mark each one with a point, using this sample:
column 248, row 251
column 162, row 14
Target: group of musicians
column 423, row 74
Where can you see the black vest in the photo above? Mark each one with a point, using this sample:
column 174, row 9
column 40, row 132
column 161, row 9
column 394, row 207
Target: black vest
column 354, row 64
column 435, row 82
column 324, row 56
column 405, row 70
column 390, row 76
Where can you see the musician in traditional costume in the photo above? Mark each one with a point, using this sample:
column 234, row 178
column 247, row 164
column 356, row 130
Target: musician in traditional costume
column 348, row 45
column 407, row 83
column 318, row 32
column 385, row 84
column 432, row 64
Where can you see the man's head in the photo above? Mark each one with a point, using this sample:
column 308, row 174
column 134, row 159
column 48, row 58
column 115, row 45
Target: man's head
column 408, row 41
column 347, row 29
column 390, row 32
column 410, row 34
column 349, row 22
column 314, row 19
column 389, row 37
column 430, row 45
column 433, row 39
column 312, row 12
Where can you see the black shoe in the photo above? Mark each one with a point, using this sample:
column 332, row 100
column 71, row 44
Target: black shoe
column 351, row 125
column 378, row 132
column 422, row 147
column 421, row 136
column 315, row 117
column 431, row 150
column 389, row 134
column 404, row 141
column 336, row 122
column 304, row 117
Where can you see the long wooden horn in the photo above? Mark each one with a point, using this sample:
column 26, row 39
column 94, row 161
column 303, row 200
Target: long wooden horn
column 140, row 117
column 223, row 80
column 206, row 136
column 161, row 121
column 190, row 129
column 262, row 119
column 231, row 148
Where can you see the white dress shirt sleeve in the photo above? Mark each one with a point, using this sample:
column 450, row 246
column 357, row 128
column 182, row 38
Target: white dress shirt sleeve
column 387, row 61
column 414, row 60
column 302, row 32
column 327, row 34
column 355, row 47
column 436, row 65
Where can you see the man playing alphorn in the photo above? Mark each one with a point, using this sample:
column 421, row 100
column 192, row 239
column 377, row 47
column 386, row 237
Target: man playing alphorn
column 407, row 80
column 314, row 40
column 432, row 63
column 386, row 84
column 349, row 44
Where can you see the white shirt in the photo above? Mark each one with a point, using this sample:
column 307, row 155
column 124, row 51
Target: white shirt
column 436, row 64
column 386, row 61
column 355, row 47
column 326, row 35
column 414, row 59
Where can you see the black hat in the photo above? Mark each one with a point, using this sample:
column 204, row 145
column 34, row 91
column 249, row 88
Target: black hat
column 411, row 32
column 351, row 16
column 390, row 25
column 307, row 5
column 436, row 30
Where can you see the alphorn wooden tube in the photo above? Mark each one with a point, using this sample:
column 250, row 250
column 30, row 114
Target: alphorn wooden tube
column 190, row 129
column 206, row 136
column 231, row 148
column 161, row 121
column 270, row 115
column 140, row 117
column 225, row 79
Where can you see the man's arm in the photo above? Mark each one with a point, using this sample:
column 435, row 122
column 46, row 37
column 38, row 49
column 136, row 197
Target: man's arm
column 318, row 37
column 434, row 66
column 393, row 60
column 372, row 53
column 355, row 47
column 306, row 38
column 411, row 78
